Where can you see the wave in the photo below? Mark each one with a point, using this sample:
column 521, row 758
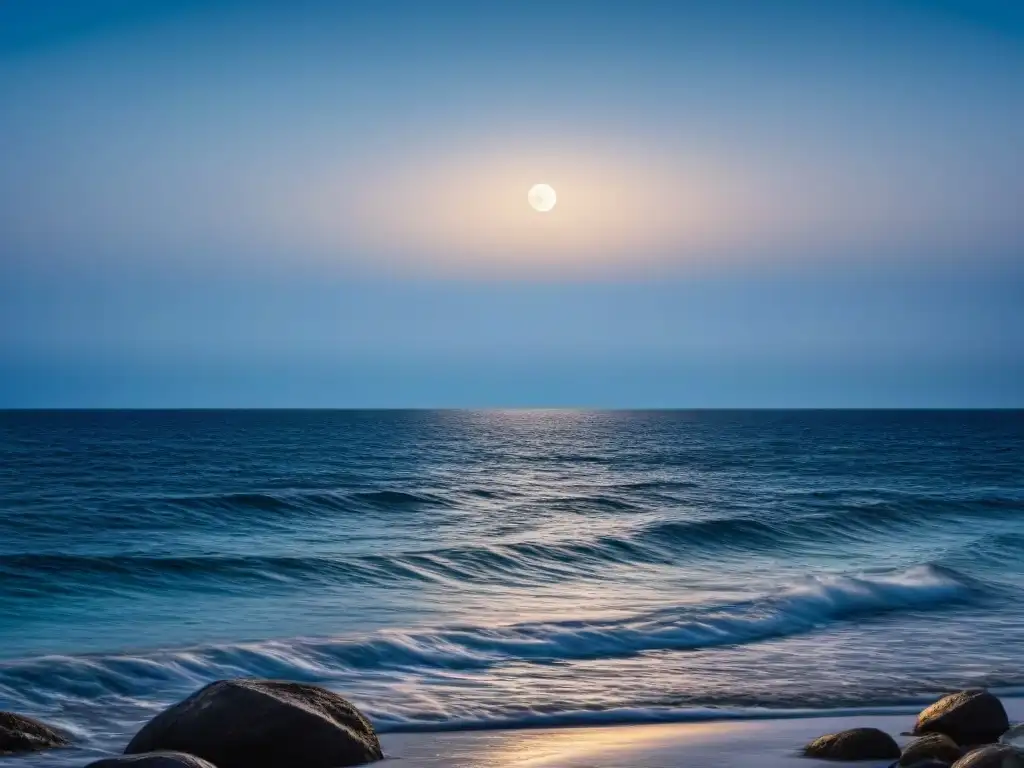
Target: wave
column 400, row 499
column 859, row 520
column 212, row 510
column 802, row 607
column 310, row 502
column 54, row 574
column 801, row 519
column 518, row 563
column 999, row 553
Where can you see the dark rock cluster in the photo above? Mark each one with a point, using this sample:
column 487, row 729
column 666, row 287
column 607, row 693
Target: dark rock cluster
column 232, row 724
column 961, row 730
column 274, row 724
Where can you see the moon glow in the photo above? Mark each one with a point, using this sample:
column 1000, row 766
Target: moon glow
column 542, row 197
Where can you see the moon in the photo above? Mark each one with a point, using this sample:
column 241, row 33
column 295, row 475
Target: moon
column 542, row 197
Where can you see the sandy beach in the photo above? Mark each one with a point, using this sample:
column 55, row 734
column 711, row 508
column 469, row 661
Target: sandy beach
column 764, row 743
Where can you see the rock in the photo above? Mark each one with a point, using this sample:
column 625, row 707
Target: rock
column 152, row 760
column 931, row 746
column 23, row 734
column 263, row 724
column 854, row 744
column 928, row 762
column 968, row 717
column 992, row 756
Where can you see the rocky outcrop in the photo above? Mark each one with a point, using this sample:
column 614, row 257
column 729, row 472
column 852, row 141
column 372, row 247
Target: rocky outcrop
column 931, row 746
column 152, row 760
column 263, row 724
column 992, row 756
column 969, row 718
column 23, row 734
column 854, row 744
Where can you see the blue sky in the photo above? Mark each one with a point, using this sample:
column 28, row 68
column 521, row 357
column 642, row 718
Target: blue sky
column 324, row 204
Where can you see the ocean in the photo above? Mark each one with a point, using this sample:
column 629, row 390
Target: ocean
column 452, row 570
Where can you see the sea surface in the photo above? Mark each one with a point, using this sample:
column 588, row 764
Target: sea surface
column 457, row 569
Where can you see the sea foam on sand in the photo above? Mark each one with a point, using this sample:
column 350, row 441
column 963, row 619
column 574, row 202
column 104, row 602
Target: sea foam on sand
column 743, row 744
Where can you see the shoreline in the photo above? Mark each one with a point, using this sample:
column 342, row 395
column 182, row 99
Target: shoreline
column 765, row 742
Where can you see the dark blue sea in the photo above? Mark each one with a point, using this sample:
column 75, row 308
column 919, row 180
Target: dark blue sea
column 458, row 569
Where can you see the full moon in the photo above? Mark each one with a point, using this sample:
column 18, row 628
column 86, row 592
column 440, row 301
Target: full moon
column 542, row 197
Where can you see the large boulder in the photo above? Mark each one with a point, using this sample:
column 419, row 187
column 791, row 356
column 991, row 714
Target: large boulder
column 931, row 746
column 263, row 724
column 23, row 734
column 968, row 717
column 854, row 744
column 992, row 756
column 152, row 760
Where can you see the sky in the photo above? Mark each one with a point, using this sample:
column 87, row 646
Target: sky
column 313, row 204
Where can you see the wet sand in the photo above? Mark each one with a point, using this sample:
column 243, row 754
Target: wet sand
column 743, row 744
